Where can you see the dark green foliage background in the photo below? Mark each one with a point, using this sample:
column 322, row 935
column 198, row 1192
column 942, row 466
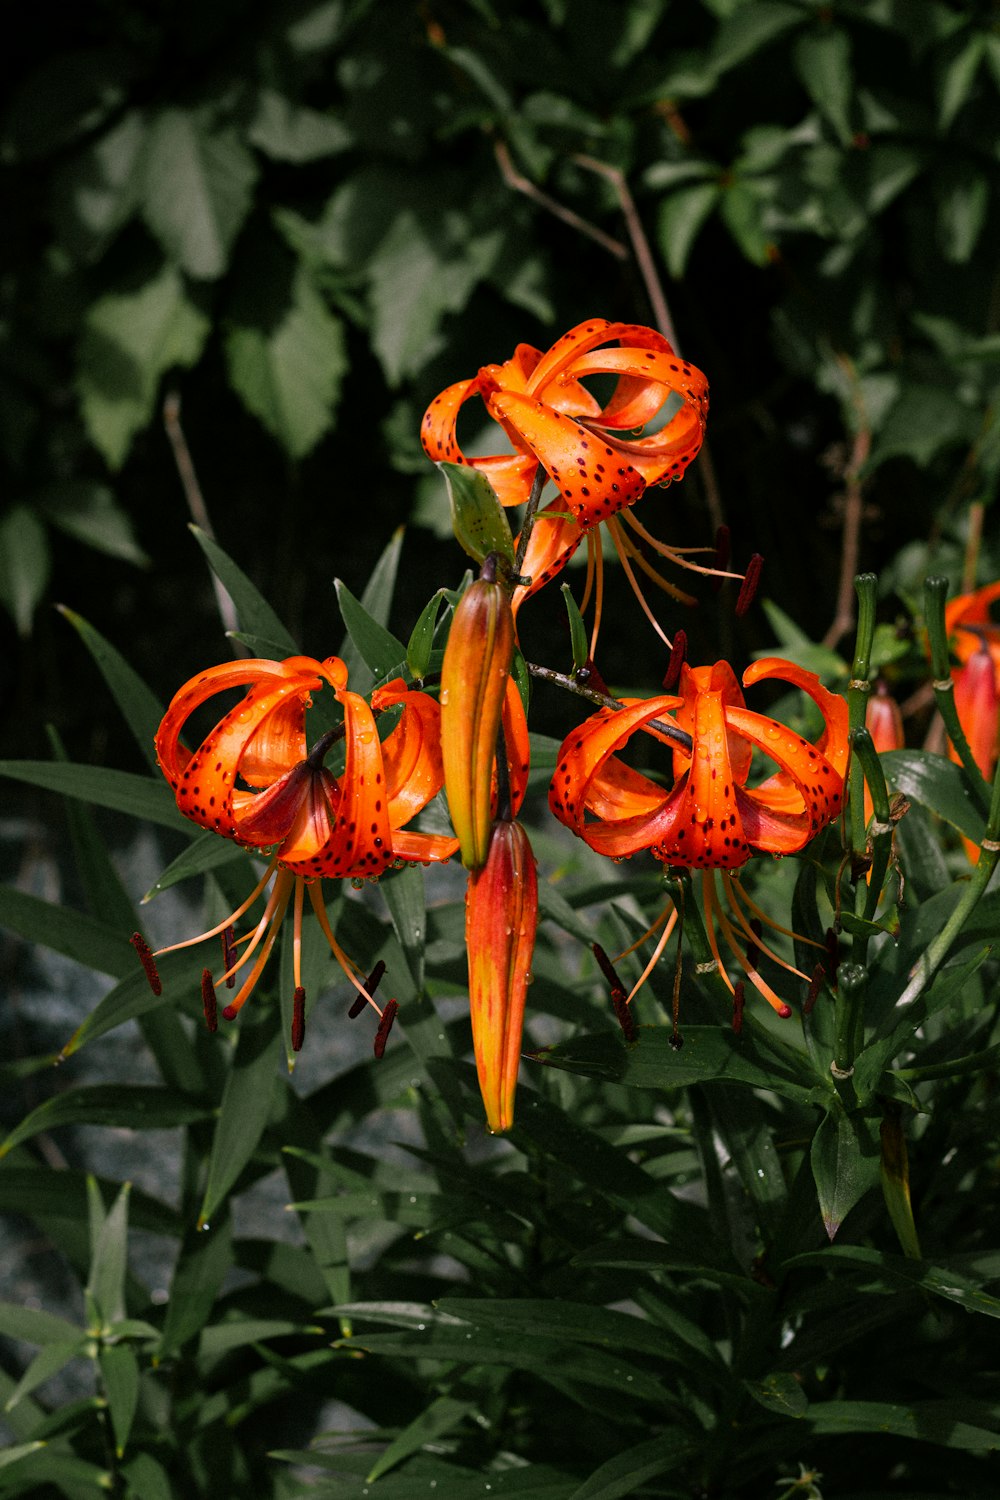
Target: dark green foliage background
column 294, row 215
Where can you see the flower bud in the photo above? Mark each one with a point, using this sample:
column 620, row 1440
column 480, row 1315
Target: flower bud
column 501, row 916
column 473, row 684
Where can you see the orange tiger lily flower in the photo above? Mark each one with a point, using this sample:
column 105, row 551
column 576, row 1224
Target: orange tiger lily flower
column 967, row 618
column 590, row 451
column 254, row 780
column 710, row 818
column 501, row 917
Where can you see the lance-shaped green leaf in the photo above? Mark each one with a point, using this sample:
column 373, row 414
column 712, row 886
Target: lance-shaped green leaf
column 133, row 997
column 46, row 1363
column 629, row 1471
column 105, row 1289
column 255, row 614
column 204, row 1262
column 443, row 1415
column 246, row 1104
column 205, row 852
column 377, row 647
column 122, row 791
column 120, row 1377
column 477, row 517
column 577, row 629
column 937, row 784
column 24, row 565
column 962, row 1423
column 86, row 939
column 122, row 1105
column 845, row 1164
column 376, row 601
column 36, row 1326
column 421, row 642
column 140, row 707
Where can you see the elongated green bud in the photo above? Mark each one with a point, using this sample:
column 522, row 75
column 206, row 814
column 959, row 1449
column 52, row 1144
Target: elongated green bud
column 474, row 676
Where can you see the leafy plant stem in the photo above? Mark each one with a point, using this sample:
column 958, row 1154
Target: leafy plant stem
column 603, row 700
column 865, row 585
column 528, row 524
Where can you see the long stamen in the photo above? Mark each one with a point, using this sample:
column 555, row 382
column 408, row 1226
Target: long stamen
column 598, row 589
column 725, row 927
column 297, row 933
column 276, row 907
column 647, row 567
column 616, row 537
column 664, row 914
column 734, row 891
column 230, row 920
column 676, row 555
column 657, row 951
column 762, row 916
column 345, row 963
column 278, row 898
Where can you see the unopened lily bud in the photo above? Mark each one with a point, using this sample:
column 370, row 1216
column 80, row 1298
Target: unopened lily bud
column 501, row 916
column 977, row 703
column 473, row 685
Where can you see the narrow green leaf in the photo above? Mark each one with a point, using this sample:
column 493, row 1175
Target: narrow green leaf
column 879, row 1271
column 80, row 937
column 120, row 1378
column 943, row 1422
column 206, row 851
column 957, row 76
column 140, row 707
column 126, row 1106
column 443, row 1415
column 421, row 642
column 577, row 630
column 403, row 892
column 133, row 997
column 625, row 1473
column 246, row 1104
column 24, row 565
column 121, row 791
column 204, row 1262
column 937, row 784
column 48, row 1362
column 376, row 601
column 823, row 63
column 106, row 1284
column 255, row 614
column 845, row 1164
column 478, row 519
column 147, row 1479
column 35, row 1326
column 377, row 647
column 779, row 1392
column 16, row 1452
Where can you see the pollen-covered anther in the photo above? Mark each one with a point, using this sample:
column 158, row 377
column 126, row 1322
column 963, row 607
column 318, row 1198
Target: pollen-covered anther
column 678, row 652
column 371, row 984
column 751, row 581
column 145, row 956
column 298, row 1018
column 209, row 1003
column 385, row 1026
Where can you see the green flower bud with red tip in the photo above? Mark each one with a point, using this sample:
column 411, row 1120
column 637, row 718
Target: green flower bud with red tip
column 501, row 917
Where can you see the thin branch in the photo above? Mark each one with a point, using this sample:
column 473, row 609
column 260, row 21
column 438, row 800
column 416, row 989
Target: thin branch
column 197, row 507
column 604, row 700
column 843, row 619
column 658, row 302
column 521, row 184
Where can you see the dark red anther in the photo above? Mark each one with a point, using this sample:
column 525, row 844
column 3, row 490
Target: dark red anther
column 815, row 985
column 209, row 1004
column 385, row 1026
column 833, row 956
column 678, row 651
column 145, row 956
column 606, row 967
column 229, row 955
column 753, row 949
column 298, row 1018
column 739, row 999
column 749, row 585
column 722, row 554
column 370, row 986
column 623, row 1012
column 229, row 1012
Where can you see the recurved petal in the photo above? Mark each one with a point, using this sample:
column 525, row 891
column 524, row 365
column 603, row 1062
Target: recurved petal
column 577, row 341
column 515, row 731
column 437, row 430
column 645, row 376
column 411, row 754
column 972, row 609
column 172, row 755
column 553, row 541
column 594, row 479
column 833, row 742
column 817, row 783
column 663, row 456
column 424, row 847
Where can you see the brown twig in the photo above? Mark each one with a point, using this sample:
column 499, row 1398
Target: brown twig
column 843, row 619
column 658, row 303
column 521, row 184
column 197, row 507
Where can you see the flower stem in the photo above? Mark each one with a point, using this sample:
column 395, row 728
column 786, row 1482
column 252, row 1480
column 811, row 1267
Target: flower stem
column 574, row 685
column 530, row 511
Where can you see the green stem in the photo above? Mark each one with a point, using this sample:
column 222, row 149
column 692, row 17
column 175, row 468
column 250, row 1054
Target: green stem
column 973, row 1062
column 865, row 585
column 602, row 700
column 528, row 524
column 863, row 750
column 851, row 982
column 935, row 594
